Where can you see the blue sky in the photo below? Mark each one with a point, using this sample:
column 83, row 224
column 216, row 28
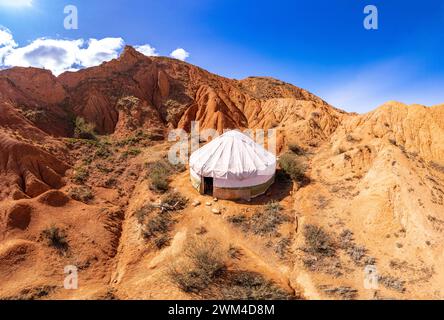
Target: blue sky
column 321, row 46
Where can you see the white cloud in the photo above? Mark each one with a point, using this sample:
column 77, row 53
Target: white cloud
column 60, row 55
column 57, row 55
column 147, row 50
column 16, row 3
column 180, row 54
column 7, row 43
column 6, row 38
column 99, row 51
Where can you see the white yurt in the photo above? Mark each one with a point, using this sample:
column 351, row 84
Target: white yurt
column 232, row 166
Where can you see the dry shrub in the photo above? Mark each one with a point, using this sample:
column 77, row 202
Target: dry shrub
column 80, row 176
column 357, row 253
column 296, row 149
column 292, row 166
column 264, row 221
column 82, row 193
column 84, row 130
column 56, row 238
column 318, row 242
column 174, row 201
column 160, row 223
column 159, row 172
column 392, row 283
column 247, row 285
column 343, row 292
column 157, row 220
column 206, row 261
column 205, row 274
column 437, row 166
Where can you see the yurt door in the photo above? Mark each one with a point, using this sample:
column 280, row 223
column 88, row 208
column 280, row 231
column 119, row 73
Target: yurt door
column 208, row 185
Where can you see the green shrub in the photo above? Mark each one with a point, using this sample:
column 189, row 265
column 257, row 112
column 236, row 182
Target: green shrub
column 159, row 173
column 80, row 176
column 292, row 167
column 133, row 152
column 103, row 151
column 82, row 193
column 35, row 115
column 134, row 140
column 84, row 130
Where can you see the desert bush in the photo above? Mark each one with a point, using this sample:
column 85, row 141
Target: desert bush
column 296, row 149
column 142, row 213
column 234, row 252
column 264, row 221
column 318, row 242
column 292, row 167
column 352, row 139
column 80, row 176
column 238, row 219
column 282, row 246
column 158, row 224
column 343, row 292
column 103, row 151
column 83, row 194
column 205, row 274
column 206, row 261
column 35, row 115
column 437, row 166
column 340, row 150
column 56, row 238
column 84, row 130
column 358, row 254
column 267, row 219
column 174, row 201
column 33, row 293
column 392, row 283
column 131, row 152
column 159, row 173
column 247, row 285
column 162, row 241
column 139, row 137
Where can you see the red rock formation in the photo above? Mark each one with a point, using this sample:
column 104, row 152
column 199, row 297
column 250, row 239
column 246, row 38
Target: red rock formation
column 27, row 170
column 135, row 92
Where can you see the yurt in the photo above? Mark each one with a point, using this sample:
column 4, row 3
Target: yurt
column 232, row 166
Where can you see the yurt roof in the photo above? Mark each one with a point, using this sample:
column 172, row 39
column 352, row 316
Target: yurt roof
column 233, row 155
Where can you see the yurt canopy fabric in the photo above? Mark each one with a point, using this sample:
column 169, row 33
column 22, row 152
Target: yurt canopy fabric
column 235, row 158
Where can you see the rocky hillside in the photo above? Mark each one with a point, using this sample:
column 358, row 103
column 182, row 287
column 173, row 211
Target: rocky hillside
column 83, row 182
